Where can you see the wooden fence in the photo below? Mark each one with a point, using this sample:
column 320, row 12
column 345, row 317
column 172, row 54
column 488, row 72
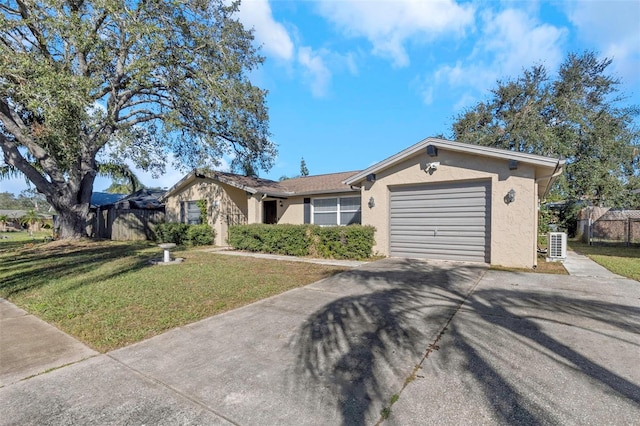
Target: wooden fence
column 124, row 224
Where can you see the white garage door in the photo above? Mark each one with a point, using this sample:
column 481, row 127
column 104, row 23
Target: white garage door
column 441, row 221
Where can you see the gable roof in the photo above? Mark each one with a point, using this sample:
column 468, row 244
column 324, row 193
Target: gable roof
column 552, row 166
column 307, row 185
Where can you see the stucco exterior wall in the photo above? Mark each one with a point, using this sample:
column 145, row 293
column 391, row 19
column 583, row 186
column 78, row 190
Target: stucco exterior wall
column 292, row 211
column 513, row 226
column 222, row 200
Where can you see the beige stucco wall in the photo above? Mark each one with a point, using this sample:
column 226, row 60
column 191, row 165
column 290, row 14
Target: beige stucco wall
column 513, row 226
column 292, row 211
column 222, row 200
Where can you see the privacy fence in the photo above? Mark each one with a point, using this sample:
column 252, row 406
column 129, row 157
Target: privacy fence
column 124, row 224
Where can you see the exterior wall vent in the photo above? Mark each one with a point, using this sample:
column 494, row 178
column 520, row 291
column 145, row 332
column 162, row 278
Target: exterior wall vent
column 557, row 246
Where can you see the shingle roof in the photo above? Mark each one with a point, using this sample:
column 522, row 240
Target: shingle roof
column 332, row 182
column 620, row 215
column 307, row 185
column 248, row 183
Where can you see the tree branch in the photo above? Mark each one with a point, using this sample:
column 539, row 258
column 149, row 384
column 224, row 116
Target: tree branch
column 42, row 44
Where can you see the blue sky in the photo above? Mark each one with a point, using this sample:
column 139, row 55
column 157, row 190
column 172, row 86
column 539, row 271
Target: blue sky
column 352, row 82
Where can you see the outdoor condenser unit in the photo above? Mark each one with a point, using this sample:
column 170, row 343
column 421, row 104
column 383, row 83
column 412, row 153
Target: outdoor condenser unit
column 557, row 246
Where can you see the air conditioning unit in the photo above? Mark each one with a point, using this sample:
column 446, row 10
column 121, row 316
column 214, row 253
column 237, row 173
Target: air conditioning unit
column 557, row 246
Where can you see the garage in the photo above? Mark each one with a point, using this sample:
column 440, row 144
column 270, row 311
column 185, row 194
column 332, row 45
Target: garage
column 449, row 221
column 447, row 200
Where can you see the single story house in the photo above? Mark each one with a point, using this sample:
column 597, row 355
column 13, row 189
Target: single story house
column 437, row 199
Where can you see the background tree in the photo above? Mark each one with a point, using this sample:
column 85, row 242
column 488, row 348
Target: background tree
column 30, row 220
column 303, row 168
column 27, row 199
column 575, row 115
column 85, row 82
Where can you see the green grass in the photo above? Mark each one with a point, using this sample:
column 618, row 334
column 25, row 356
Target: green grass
column 108, row 295
column 620, row 260
column 17, row 238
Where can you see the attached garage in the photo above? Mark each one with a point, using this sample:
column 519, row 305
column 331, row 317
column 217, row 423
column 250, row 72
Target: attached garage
column 448, row 200
column 448, row 221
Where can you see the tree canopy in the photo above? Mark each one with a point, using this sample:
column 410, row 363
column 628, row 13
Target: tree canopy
column 84, row 83
column 576, row 115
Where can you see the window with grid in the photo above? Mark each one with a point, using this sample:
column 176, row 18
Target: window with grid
column 336, row 211
column 190, row 213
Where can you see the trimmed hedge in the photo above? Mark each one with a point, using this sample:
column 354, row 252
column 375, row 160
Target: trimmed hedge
column 334, row 242
column 183, row 234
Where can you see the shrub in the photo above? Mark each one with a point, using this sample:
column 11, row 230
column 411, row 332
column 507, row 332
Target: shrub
column 183, row 234
column 200, row 235
column 171, row 232
column 345, row 242
column 287, row 240
column 334, row 242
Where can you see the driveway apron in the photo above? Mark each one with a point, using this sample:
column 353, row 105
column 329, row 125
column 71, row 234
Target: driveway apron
column 399, row 341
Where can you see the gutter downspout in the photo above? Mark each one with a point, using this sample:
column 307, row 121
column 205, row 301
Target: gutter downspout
column 556, row 172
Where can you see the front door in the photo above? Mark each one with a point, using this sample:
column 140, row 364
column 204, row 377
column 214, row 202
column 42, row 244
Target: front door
column 270, row 212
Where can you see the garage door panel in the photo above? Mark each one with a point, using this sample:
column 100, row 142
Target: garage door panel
column 441, row 221
column 435, row 201
column 442, row 254
column 434, row 209
column 433, row 220
column 415, row 222
column 471, row 233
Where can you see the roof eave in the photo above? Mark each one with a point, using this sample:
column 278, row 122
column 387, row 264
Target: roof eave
column 536, row 160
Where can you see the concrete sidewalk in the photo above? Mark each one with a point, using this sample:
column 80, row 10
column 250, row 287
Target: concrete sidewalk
column 421, row 342
column 336, row 262
column 581, row 266
column 30, row 346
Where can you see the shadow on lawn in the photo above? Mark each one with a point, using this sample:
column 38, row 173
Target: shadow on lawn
column 28, row 268
column 363, row 347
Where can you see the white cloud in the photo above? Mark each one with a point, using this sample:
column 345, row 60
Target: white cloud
column 389, row 25
column 272, row 35
column 612, row 28
column 316, row 70
column 509, row 42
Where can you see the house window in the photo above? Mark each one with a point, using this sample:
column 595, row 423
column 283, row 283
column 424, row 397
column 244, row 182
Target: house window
column 190, row 213
column 336, row 211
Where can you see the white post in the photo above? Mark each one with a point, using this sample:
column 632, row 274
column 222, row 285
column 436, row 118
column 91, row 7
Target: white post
column 167, row 257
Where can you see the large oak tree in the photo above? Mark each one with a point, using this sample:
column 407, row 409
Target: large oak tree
column 577, row 114
column 90, row 82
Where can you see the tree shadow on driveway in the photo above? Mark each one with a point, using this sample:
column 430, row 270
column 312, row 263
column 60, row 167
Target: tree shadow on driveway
column 365, row 346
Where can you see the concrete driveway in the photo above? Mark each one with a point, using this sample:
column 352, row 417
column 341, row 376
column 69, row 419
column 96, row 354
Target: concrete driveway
column 421, row 342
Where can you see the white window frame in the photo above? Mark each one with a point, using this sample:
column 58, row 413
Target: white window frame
column 338, row 209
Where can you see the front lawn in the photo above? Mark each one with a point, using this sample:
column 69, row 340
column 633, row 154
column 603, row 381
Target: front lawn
column 620, row 260
column 108, row 295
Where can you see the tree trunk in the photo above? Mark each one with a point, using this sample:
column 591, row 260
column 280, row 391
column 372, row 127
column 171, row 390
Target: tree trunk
column 72, row 222
column 72, row 207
